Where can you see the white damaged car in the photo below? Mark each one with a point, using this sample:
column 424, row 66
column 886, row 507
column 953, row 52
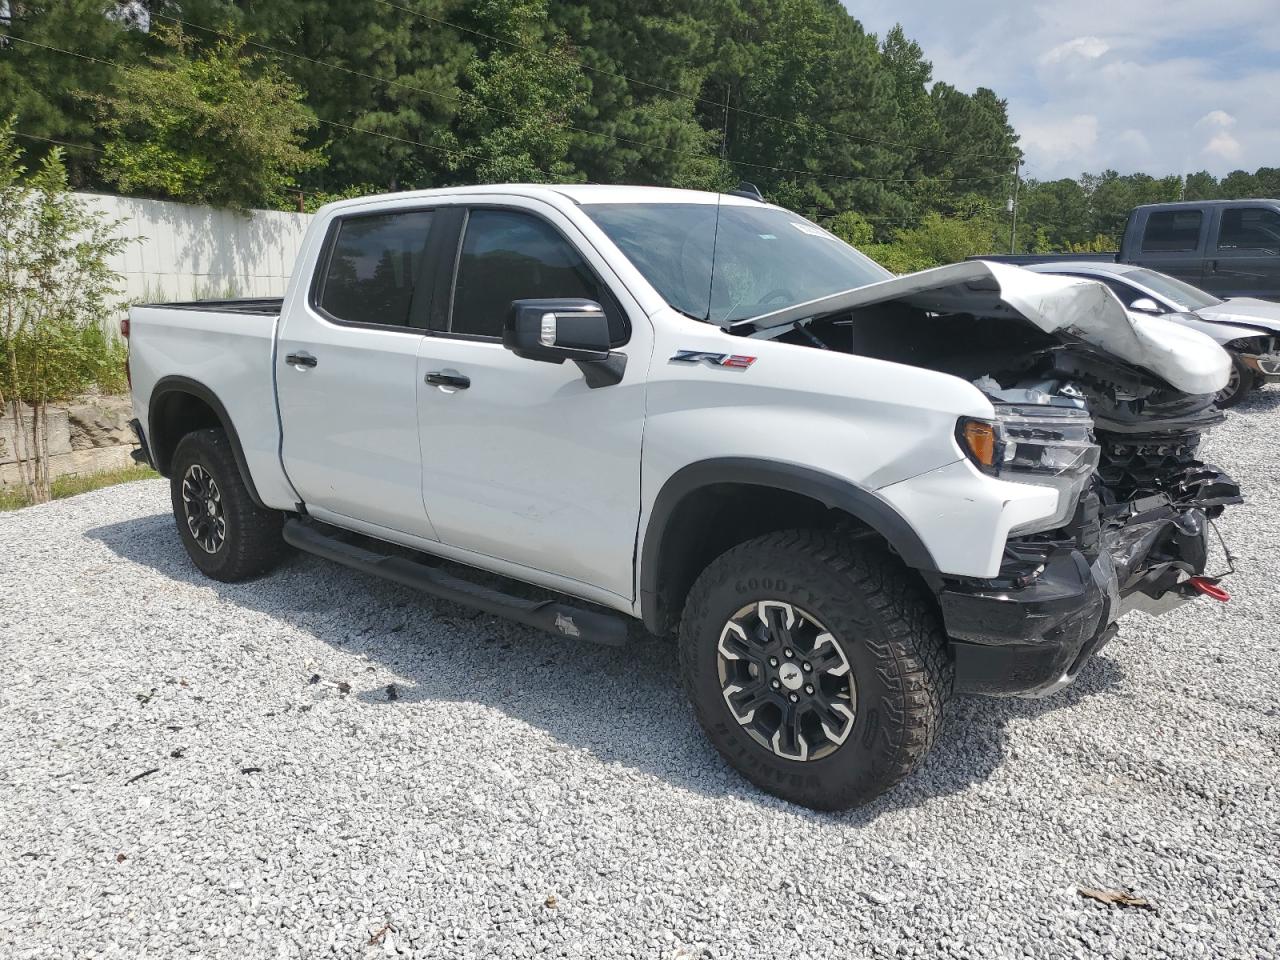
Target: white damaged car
column 1246, row 327
column 847, row 494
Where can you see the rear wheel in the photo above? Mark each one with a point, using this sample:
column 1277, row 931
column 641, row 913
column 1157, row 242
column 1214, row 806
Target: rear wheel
column 1241, row 381
column 226, row 534
column 817, row 667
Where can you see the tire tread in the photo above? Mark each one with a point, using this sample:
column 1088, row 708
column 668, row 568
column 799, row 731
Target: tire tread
column 913, row 658
column 255, row 544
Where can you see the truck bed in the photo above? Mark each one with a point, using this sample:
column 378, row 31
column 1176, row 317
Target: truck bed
column 260, row 306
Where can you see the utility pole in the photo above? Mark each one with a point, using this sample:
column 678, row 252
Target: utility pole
column 1013, row 207
column 724, row 138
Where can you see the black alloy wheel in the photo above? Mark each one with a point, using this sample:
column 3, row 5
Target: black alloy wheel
column 202, row 505
column 786, row 680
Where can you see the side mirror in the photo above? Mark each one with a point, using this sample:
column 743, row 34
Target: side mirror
column 554, row 331
column 1145, row 305
column 557, row 330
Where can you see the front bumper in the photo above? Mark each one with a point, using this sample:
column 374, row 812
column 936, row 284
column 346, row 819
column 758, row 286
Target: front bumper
column 1009, row 637
column 1265, row 366
column 1055, row 604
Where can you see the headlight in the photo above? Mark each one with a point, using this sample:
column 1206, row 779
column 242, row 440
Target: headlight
column 1050, row 446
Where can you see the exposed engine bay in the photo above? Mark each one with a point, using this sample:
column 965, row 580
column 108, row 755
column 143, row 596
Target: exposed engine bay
column 1118, row 441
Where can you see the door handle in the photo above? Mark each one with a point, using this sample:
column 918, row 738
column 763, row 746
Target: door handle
column 301, row 359
column 438, row 378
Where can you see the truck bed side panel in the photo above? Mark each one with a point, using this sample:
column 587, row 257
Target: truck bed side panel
column 231, row 354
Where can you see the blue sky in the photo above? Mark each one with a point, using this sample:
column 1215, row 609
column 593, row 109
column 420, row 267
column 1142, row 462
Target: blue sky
column 1159, row 86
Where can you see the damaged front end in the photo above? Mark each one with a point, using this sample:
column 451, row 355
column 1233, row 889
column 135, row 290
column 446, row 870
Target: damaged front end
column 1103, row 407
column 1141, row 505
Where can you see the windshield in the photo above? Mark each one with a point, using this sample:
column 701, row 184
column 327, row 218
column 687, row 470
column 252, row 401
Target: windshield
column 755, row 260
column 1180, row 294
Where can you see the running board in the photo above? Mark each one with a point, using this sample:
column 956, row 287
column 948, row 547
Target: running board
column 548, row 615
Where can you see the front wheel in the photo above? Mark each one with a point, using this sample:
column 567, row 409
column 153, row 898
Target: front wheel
column 226, row 534
column 1242, row 380
column 816, row 666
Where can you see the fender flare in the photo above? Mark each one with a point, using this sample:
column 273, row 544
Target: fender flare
column 830, row 490
column 180, row 384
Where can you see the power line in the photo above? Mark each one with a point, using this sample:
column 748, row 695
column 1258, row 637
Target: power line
column 693, row 98
column 61, row 143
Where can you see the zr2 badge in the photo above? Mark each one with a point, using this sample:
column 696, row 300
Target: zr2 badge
column 735, row 360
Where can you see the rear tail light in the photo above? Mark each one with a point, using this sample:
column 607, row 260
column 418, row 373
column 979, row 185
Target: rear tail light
column 124, row 328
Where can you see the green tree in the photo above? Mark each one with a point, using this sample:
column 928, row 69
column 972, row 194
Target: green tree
column 384, row 80
column 55, row 288
column 518, row 105
column 1240, row 185
column 1201, row 186
column 1054, row 214
column 47, row 88
column 935, row 241
column 853, row 229
column 217, row 125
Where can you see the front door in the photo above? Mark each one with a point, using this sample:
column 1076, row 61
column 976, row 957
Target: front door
column 521, row 460
column 347, row 374
column 1245, row 261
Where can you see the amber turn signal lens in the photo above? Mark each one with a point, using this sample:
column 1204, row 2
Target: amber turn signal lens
column 980, row 440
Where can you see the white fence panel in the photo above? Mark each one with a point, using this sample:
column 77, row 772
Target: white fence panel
column 186, row 252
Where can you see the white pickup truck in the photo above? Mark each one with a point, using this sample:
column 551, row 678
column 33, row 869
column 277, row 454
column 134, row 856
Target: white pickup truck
column 847, row 493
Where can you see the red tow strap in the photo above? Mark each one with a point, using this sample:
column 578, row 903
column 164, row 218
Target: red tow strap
column 1206, row 587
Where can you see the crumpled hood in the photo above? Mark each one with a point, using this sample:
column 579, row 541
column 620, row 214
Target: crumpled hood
column 1250, row 311
column 1085, row 309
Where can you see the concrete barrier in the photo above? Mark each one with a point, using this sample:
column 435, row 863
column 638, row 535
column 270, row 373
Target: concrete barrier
column 88, row 435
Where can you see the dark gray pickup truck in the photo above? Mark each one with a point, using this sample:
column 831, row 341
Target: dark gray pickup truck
column 1231, row 248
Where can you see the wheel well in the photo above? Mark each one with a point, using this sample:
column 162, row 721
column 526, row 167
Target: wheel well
column 1248, row 345
column 714, row 518
column 175, row 414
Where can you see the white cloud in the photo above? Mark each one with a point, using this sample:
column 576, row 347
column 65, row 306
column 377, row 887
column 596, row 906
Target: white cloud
column 1224, row 146
column 1172, row 86
column 1216, row 118
column 1086, row 48
column 1068, row 136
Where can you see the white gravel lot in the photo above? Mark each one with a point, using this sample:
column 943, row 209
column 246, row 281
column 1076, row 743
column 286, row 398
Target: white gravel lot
column 171, row 784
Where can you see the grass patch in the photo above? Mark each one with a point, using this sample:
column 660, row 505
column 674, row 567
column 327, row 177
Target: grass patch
column 12, row 498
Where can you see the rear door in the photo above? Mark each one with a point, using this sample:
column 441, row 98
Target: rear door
column 1244, row 257
column 346, row 372
column 1173, row 242
column 527, row 463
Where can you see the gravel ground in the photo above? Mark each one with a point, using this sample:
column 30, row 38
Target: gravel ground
column 173, row 783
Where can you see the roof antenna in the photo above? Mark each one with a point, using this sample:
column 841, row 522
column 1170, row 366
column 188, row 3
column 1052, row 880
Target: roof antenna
column 748, row 190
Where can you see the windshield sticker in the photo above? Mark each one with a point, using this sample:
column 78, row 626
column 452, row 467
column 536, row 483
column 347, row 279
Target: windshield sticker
column 811, row 230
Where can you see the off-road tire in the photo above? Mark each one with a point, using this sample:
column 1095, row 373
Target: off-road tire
column 890, row 632
column 252, row 542
column 1242, row 381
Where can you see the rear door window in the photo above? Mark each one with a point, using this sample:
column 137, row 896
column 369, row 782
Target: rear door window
column 1172, row 231
column 1250, row 228
column 373, row 268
